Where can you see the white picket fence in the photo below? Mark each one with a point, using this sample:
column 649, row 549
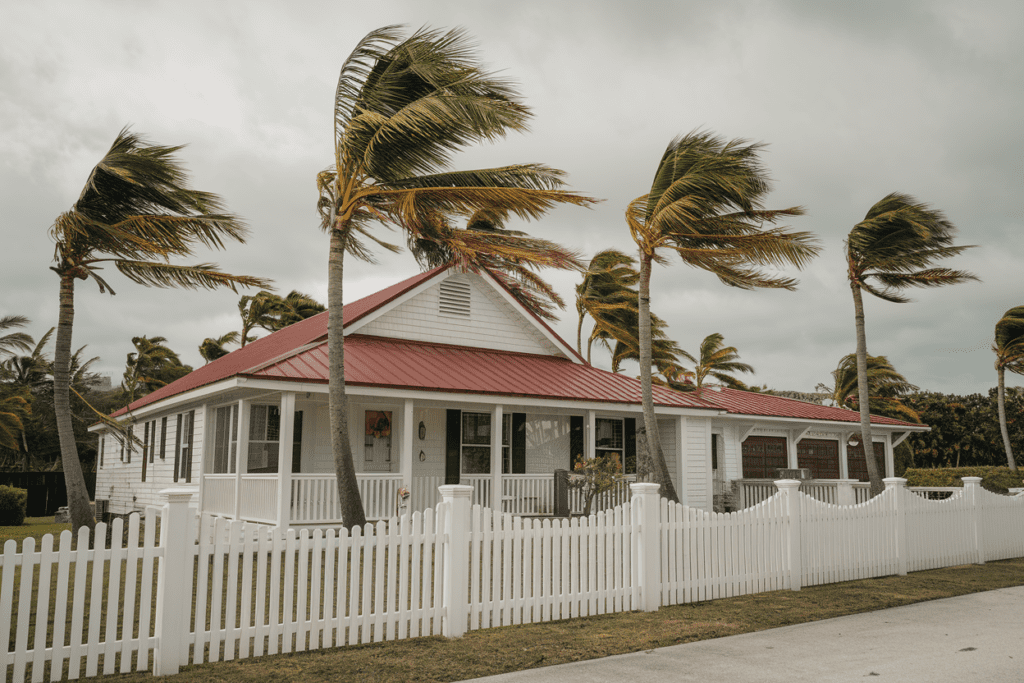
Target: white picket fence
column 255, row 590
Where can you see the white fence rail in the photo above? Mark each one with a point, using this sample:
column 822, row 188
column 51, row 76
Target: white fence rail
column 256, row 590
column 750, row 492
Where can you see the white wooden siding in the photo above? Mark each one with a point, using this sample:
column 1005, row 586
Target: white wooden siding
column 121, row 482
column 667, row 436
column 698, row 462
column 492, row 324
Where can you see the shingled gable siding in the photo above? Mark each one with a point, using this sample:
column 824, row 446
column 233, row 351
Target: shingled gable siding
column 492, row 323
column 119, row 481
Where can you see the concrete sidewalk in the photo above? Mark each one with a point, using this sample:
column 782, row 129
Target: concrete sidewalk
column 977, row 637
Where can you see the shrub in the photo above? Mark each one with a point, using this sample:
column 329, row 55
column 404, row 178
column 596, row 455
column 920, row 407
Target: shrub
column 12, row 506
column 995, row 479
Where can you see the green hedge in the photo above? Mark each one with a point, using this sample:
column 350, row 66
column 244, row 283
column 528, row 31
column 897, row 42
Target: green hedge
column 995, row 479
column 12, row 506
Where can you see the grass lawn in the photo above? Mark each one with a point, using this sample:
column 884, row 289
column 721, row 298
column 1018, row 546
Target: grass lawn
column 500, row 650
column 35, row 527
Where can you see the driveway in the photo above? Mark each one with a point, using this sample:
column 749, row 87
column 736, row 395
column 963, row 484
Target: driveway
column 977, row 637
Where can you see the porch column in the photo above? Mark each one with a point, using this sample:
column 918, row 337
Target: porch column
column 241, row 452
column 590, row 438
column 405, row 459
column 890, row 462
column 844, row 458
column 205, row 412
column 792, row 460
column 496, row 492
column 681, row 459
column 284, row 460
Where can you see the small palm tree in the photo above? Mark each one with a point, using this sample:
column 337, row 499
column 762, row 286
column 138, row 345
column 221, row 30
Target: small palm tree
column 295, row 307
column 12, row 411
column 705, row 205
column 1009, row 350
column 889, row 251
column 257, row 310
column 402, row 108
column 152, row 365
column 135, row 212
column 886, row 388
column 213, row 348
column 607, row 286
column 718, row 361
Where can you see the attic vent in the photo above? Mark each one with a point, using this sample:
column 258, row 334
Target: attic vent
column 455, row 297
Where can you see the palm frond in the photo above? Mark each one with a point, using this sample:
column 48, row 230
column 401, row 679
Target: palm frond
column 202, row 275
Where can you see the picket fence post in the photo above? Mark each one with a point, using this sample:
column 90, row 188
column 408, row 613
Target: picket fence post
column 174, row 583
column 900, row 521
column 844, row 492
column 790, row 488
column 648, row 547
column 455, row 577
column 972, row 485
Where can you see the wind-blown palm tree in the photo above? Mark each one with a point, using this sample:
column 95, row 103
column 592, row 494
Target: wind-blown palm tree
column 294, row 307
column 705, row 205
column 886, row 387
column 28, row 373
column 402, row 108
column 213, row 348
column 515, row 272
column 889, row 251
column 12, row 411
column 135, row 212
column 257, row 310
column 14, row 341
column 607, row 286
column 152, row 365
column 1009, row 350
column 718, row 361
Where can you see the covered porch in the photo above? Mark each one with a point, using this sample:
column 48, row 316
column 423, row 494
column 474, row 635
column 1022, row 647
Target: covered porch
column 508, row 453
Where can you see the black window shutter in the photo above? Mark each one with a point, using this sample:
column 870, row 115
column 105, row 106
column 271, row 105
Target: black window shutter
column 453, row 446
column 188, row 458
column 177, row 447
column 145, row 447
column 576, row 453
column 163, row 438
column 629, row 467
column 518, row 443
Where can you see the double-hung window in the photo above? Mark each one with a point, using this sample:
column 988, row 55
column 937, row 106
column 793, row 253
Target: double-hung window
column 183, row 446
column 611, row 440
column 476, row 443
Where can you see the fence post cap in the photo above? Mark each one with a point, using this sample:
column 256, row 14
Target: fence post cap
column 894, row 482
column 788, row 484
column 455, row 491
column 644, row 488
column 179, row 494
column 971, row 480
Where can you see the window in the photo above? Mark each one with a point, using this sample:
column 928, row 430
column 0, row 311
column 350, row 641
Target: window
column 265, row 439
column 100, row 450
column 476, row 443
column 763, row 456
column 183, row 446
column 611, row 440
column 225, row 439
column 377, row 427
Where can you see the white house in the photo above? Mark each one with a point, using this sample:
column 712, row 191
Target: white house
column 450, row 380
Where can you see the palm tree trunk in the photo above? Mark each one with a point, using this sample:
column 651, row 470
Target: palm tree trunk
column 579, row 335
column 659, row 466
column 344, row 467
column 74, row 480
column 874, row 475
column 1001, row 403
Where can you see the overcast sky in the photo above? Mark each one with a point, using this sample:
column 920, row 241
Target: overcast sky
column 855, row 99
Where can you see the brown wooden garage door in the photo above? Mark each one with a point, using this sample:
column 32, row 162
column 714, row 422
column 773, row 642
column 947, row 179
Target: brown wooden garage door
column 762, row 455
column 858, row 467
column 820, row 457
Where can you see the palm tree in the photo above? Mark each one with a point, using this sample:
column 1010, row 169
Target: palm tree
column 213, row 348
column 152, row 365
column 1009, row 350
column 12, row 411
column 257, row 310
column 137, row 210
column 886, row 387
column 14, row 341
column 887, row 252
column 293, row 308
column 607, row 286
column 28, row 373
column 438, row 245
column 717, row 361
column 402, row 108
column 705, row 204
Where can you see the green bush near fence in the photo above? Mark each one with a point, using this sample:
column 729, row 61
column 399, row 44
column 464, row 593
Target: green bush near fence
column 13, row 503
column 995, row 479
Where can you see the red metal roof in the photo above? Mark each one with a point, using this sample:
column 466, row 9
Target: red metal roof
column 751, row 403
column 403, row 364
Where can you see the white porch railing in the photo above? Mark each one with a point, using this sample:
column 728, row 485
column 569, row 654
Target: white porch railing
column 481, row 484
column 617, row 495
column 219, row 494
column 753, row 491
column 258, row 493
column 528, row 494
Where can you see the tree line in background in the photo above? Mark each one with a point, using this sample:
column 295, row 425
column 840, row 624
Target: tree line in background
column 404, row 105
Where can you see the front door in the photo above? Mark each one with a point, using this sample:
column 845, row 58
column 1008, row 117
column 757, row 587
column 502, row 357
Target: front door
column 377, row 441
